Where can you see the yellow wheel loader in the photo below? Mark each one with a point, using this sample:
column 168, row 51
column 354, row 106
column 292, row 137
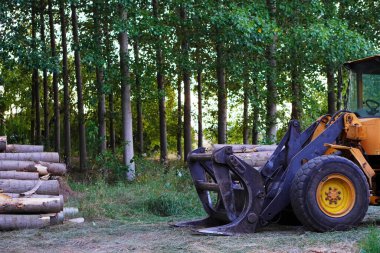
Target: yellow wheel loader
column 326, row 176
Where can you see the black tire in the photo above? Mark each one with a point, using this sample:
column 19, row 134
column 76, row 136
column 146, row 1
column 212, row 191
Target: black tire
column 304, row 193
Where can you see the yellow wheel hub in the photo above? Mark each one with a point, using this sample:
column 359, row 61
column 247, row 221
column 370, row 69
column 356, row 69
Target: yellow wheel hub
column 335, row 195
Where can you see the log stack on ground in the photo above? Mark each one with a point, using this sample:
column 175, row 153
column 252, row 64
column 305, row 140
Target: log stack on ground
column 29, row 187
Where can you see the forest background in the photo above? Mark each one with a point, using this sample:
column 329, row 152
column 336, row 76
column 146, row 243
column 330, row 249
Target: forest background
column 105, row 80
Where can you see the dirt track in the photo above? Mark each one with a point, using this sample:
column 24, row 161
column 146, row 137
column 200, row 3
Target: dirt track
column 119, row 236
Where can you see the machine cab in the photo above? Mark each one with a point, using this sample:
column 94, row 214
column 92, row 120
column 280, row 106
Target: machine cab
column 364, row 87
column 364, row 100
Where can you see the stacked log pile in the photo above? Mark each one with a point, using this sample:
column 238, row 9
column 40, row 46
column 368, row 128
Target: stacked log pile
column 29, row 187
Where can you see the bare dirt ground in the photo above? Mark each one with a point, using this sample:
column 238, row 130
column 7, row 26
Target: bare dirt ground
column 122, row 236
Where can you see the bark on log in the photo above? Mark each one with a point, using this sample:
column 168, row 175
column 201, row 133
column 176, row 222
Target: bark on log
column 255, row 159
column 70, row 212
column 31, row 205
column 238, row 148
column 16, row 148
column 17, row 221
column 19, row 175
column 50, row 187
column 35, row 156
column 43, row 168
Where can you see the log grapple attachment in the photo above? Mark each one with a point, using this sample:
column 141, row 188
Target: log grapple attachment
column 238, row 193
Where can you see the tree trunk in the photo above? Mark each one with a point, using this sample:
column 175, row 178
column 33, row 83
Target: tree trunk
column 34, row 77
column 57, row 128
column 111, row 109
column 140, row 130
column 296, row 95
column 339, row 100
column 36, row 87
column 111, row 121
column 45, row 81
column 330, row 90
column 200, row 118
column 161, row 91
column 256, row 114
column 100, row 82
column 179, row 117
column 186, row 84
column 49, row 187
column 271, row 97
column 31, row 205
column 222, row 93
column 245, row 109
column 126, row 98
column 66, row 92
column 78, row 77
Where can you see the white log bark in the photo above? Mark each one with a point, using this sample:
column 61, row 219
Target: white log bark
column 19, row 175
column 43, row 168
column 18, row 221
column 255, row 159
column 241, row 148
column 49, row 187
column 17, row 148
column 31, row 205
column 52, row 157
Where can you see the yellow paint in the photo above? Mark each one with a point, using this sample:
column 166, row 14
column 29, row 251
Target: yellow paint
column 360, row 159
column 374, row 200
column 354, row 128
column 336, row 195
column 371, row 145
column 321, row 126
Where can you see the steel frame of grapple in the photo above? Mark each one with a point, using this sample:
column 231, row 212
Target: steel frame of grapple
column 250, row 198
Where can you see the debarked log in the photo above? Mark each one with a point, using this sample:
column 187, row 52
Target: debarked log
column 52, row 157
column 20, row 175
column 49, row 187
column 43, row 168
column 17, row 148
column 22, row 221
column 31, row 205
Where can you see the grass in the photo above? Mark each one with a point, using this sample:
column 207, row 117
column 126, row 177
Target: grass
column 157, row 192
column 371, row 243
column 134, row 216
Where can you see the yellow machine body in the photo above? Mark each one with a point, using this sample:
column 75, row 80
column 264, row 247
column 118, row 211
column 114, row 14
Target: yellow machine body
column 371, row 144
